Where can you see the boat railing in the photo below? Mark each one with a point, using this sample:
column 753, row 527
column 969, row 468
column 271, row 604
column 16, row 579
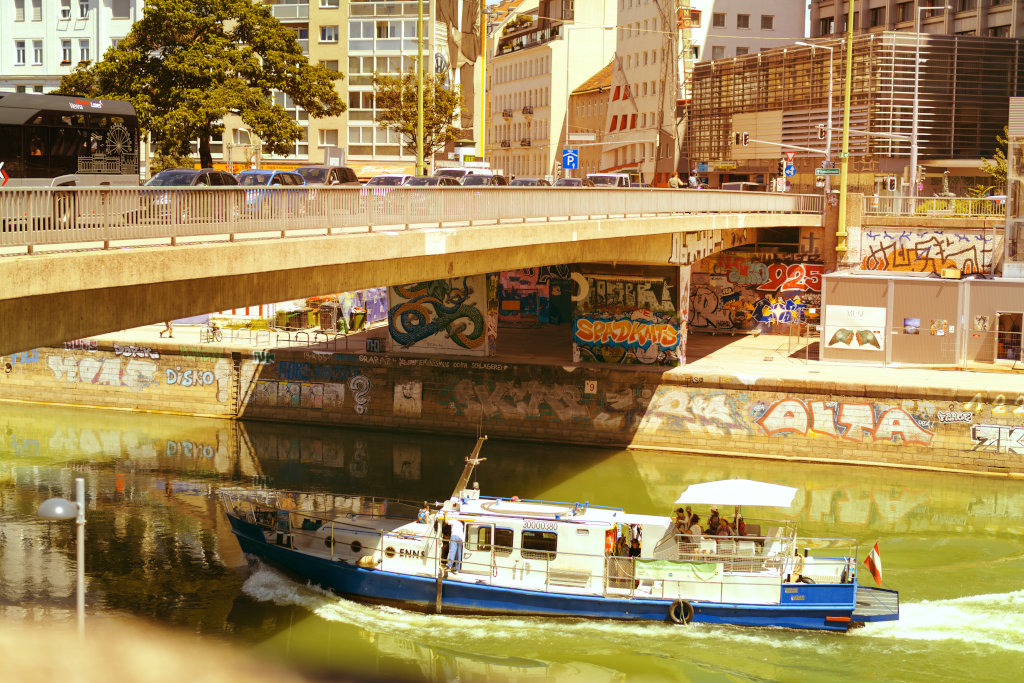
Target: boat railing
column 322, row 506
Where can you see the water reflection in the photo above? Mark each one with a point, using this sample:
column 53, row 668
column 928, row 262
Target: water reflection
column 158, row 547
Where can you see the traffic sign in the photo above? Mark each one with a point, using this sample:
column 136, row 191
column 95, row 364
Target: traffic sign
column 570, row 158
column 844, row 155
column 790, row 170
column 789, row 156
column 826, row 171
column 3, row 174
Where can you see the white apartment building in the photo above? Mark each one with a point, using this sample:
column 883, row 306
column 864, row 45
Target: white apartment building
column 657, row 46
column 42, row 40
column 545, row 51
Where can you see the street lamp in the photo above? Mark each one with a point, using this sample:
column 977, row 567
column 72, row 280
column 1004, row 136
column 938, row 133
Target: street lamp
column 828, row 127
column 568, row 90
column 59, row 508
column 917, row 73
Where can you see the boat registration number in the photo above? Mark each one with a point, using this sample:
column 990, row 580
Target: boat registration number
column 539, row 524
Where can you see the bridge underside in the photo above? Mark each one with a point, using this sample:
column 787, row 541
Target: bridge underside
column 68, row 296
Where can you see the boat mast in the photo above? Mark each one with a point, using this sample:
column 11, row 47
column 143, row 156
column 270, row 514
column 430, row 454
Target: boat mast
column 471, row 462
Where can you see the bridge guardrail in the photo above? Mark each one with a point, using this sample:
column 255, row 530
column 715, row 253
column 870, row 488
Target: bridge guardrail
column 953, row 207
column 31, row 217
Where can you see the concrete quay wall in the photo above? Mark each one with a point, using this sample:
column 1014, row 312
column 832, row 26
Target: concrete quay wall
column 934, row 427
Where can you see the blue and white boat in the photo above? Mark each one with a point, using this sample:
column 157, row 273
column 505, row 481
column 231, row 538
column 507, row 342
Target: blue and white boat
column 542, row 558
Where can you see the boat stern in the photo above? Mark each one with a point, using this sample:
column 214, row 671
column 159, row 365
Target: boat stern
column 876, row 604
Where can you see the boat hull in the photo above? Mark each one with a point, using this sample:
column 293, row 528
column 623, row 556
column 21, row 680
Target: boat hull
column 805, row 606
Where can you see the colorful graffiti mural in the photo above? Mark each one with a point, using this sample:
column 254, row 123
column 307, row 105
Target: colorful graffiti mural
column 926, row 251
column 736, row 292
column 440, row 315
column 848, row 421
column 627, row 320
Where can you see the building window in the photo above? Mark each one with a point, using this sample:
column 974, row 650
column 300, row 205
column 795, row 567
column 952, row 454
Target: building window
column 905, row 11
column 328, row 138
column 19, row 10
column 37, row 52
column 999, row 31
column 65, row 52
column 83, row 9
column 718, row 19
column 826, row 26
column 328, row 34
column 19, row 53
column 767, row 22
column 330, row 64
column 877, row 16
column 717, row 51
column 37, row 10
column 846, row 21
column 83, row 50
column 966, row 5
column 742, row 21
column 740, row 51
column 120, row 9
column 114, row 42
column 328, row 4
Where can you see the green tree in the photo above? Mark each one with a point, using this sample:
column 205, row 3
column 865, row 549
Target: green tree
column 996, row 166
column 189, row 63
column 395, row 97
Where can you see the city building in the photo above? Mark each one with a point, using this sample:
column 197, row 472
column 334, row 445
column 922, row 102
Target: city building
column 782, row 96
column 1013, row 262
column 541, row 55
column 589, row 110
column 658, row 46
column 984, row 18
column 45, row 39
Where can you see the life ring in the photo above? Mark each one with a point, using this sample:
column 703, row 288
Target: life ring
column 680, row 612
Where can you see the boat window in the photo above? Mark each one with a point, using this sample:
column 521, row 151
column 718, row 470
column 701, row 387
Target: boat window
column 479, row 538
column 539, row 545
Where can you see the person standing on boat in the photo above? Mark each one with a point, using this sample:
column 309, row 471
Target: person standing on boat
column 713, row 521
column 458, row 537
column 424, row 513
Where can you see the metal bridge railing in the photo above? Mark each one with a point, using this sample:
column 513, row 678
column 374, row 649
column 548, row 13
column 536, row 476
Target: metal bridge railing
column 953, row 207
column 34, row 217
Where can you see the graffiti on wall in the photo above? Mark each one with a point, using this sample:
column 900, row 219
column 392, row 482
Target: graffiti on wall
column 734, row 291
column 926, row 251
column 998, row 438
column 848, row 421
column 690, row 247
column 524, row 296
column 440, row 315
column 626, row 320
column 133, row 373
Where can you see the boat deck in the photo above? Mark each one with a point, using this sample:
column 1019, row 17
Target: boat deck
column 876, row 604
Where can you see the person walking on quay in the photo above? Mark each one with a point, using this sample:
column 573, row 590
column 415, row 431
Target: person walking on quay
column 168, row 328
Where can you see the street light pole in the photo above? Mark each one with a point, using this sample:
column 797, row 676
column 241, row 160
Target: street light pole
column 419, row 91
column 917, row 85
column 59, row 508
column 828, row 126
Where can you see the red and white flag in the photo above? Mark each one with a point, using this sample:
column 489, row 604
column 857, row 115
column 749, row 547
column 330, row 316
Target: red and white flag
column 874, row 564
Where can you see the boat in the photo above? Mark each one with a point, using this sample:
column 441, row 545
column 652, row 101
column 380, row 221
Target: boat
column 552, row 559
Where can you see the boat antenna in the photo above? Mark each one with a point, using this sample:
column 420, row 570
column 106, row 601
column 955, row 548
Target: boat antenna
column 472, row 461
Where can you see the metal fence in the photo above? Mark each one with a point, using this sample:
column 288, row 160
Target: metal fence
column 102, row 217
column 953, row 207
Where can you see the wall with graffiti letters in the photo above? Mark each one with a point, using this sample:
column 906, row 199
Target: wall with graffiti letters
column 737, row 292
column 628, row 319
column 447, row 316
column 926, row 251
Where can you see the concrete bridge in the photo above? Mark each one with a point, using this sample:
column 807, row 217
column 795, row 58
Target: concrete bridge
column 84, row 262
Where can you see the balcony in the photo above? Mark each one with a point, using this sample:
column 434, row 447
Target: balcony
column 506, row 143
column 506, row 113
column 528, row 111
column 527, row 39
column 288, row 13
column 524, row 142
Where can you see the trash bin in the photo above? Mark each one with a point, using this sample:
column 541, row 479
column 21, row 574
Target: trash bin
column 357, row 318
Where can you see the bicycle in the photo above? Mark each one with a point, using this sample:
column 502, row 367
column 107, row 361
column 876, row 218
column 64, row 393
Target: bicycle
column 213, row 332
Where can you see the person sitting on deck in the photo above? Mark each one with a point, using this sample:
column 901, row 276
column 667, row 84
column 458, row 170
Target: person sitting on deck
column 424, row 513
column 693, row 534
column 741, row 526
column 713, row 521
column 680, row 520
column 723, row 528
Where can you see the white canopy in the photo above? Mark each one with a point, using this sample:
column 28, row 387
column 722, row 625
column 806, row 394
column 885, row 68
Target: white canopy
column 738, row 492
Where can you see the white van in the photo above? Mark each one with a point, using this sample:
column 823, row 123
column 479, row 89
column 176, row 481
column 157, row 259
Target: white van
column 609, row 179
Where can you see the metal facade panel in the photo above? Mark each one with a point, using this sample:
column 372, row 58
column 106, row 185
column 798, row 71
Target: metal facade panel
column 855, row 292
column 934, row 304
column 1016, row 123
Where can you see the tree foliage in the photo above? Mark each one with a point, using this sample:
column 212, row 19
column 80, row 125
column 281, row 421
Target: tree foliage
column 189, row 63
column 396, row 108
column 996, row 166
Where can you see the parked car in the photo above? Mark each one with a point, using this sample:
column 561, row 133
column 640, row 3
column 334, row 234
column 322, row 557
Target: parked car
column 183, row 206
column 274, row 193
column 574, row 182
column 328, row 175
column 459, row 172
column 484, row 180
column 529, row 182
column 388, row 180
column 432, row 181
column 610, row 179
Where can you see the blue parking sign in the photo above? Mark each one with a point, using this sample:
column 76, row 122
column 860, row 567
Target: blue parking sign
column 570, row 158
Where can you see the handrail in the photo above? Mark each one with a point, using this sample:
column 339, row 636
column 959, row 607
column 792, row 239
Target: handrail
column 935, row 207
column 113, row 217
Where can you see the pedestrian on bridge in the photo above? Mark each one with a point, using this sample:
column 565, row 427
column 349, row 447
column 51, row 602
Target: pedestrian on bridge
column 168, row 328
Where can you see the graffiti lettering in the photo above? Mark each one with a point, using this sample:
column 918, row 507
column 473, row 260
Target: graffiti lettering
column 197, row 353
column 954, row 416
column 263, row 357
column 625, row 333
column 26, row 357
column 848, row 421
column 512, row 400
column 927, row 251
column 135, row 351
column 22, row 447
column 676, row 409
column 83, row 344
column 189, row 449
column 136, row 374
column 307, row 372
column 999, row 438
column 190, row 378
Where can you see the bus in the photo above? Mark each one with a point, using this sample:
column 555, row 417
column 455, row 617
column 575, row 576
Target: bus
column 58, row 141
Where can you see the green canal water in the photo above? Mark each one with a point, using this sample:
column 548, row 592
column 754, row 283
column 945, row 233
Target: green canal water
column 158, row 549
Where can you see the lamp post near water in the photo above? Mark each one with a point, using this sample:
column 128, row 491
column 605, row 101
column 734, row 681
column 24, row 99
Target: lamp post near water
column 59, row 508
